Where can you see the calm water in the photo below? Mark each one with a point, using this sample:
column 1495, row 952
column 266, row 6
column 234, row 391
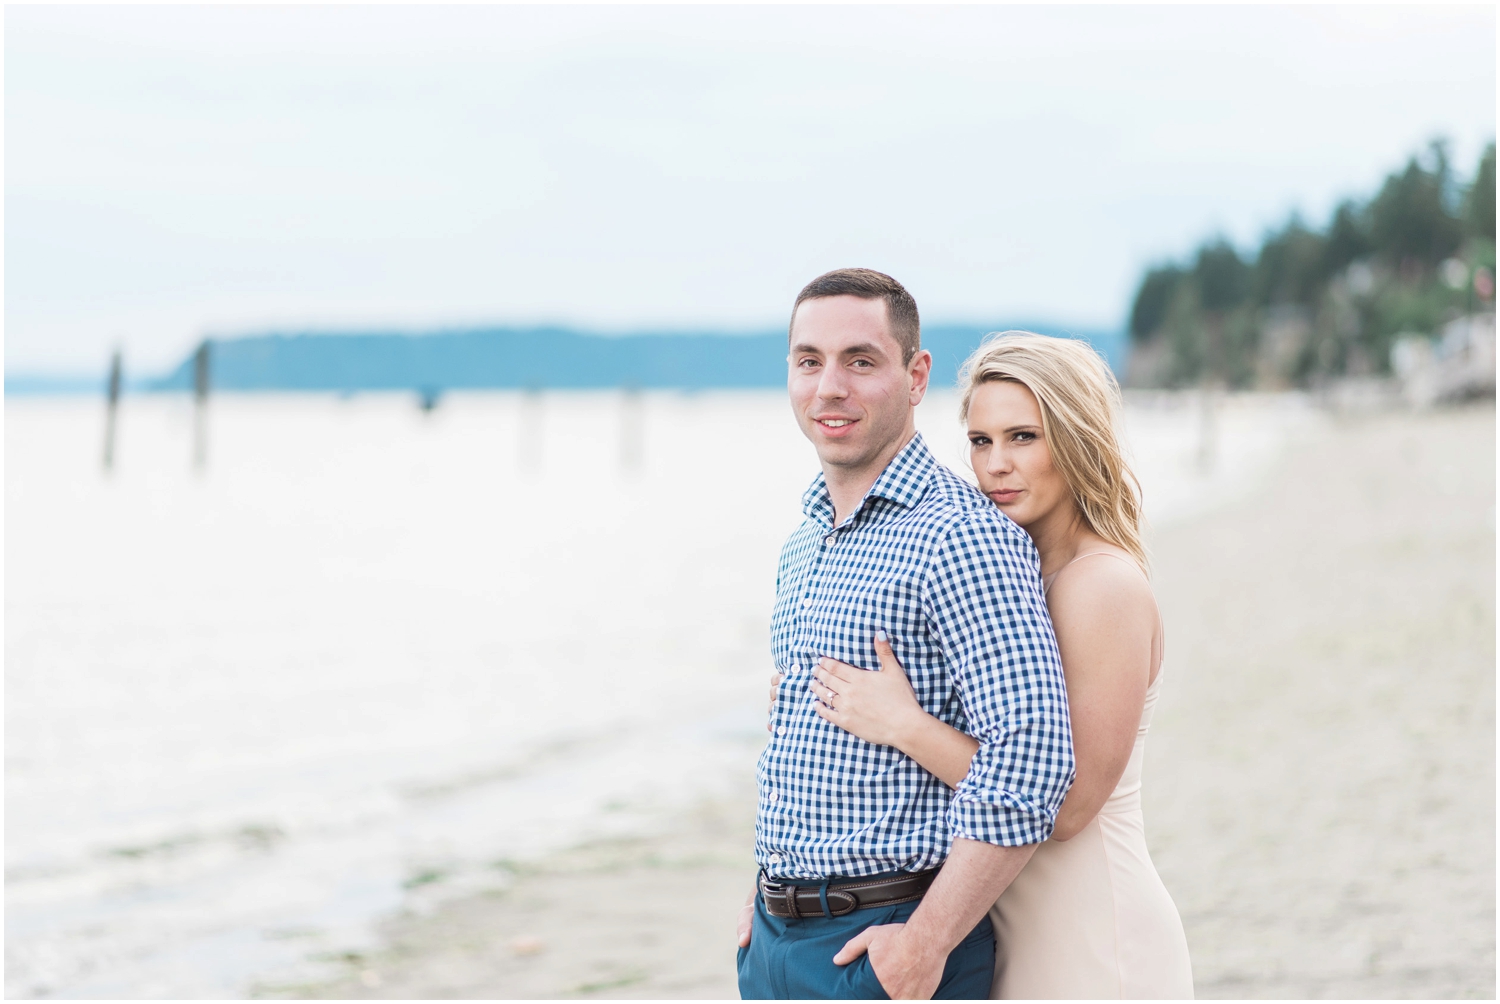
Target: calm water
column 371, row 657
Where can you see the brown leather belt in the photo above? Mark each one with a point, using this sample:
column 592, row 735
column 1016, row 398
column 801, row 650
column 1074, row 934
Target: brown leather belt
column 783, row 899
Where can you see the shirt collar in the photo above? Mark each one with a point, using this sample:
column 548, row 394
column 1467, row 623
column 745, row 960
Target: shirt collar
column 903, row 482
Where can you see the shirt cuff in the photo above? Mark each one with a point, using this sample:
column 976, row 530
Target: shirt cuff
column 1001, row 818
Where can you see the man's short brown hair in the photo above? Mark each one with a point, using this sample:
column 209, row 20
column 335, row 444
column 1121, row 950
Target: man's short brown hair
column 867, row 284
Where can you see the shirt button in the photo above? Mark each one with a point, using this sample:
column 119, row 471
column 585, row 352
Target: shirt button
column 781, row 730
column 828, row 539
column 807, row 601
column 772, row 797
column 775, row 859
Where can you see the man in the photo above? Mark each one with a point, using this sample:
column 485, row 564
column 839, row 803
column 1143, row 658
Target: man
column 850, row 836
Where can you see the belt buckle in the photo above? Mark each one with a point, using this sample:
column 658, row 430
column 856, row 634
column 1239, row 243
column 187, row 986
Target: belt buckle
column 786, row 890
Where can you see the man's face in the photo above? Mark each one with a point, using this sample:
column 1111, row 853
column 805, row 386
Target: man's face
column 850, row 391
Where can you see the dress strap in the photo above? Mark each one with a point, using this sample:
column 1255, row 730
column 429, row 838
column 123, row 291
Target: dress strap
column 1107, row 554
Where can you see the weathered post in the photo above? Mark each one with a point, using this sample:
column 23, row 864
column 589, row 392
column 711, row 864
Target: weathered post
column 1208, row 428
column 632, row 429
column 112, row 392
column 1214, row 363
column 200, row 407
column 531, row 447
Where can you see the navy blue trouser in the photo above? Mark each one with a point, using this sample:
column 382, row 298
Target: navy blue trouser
column 793, row 959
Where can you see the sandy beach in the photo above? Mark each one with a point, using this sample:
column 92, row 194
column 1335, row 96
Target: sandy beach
column 1319, row 786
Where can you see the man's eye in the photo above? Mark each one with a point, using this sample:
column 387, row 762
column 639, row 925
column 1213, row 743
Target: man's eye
column 864, row 363
column 807, row 363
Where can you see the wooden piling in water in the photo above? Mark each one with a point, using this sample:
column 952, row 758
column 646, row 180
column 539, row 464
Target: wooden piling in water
column 200, row 406
column 531, row 445
column 112, row 394
column 632, row 429
column 1208, row 428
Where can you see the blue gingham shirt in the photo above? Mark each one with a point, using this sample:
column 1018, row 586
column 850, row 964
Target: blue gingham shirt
column 957, row 587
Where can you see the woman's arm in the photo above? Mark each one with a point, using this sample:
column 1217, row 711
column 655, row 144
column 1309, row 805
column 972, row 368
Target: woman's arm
column 943, row 751
column 1105, row 620
column 881, row 708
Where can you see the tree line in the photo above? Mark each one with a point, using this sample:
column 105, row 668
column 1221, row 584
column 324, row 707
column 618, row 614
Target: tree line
column 1315, row 303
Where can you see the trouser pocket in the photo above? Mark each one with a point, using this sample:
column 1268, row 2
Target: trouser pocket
column 858, row 980
column 864, row 985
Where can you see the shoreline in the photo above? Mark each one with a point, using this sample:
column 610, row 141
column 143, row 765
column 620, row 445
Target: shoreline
column 637, row 918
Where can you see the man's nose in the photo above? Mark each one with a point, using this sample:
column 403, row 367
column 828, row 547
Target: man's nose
column 833, row 384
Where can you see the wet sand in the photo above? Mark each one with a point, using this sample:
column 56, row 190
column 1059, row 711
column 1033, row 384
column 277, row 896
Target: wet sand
column 1319, row 785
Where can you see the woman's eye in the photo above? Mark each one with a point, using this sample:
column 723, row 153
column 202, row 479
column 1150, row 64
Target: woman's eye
column 979, row 441
column 1025, row 437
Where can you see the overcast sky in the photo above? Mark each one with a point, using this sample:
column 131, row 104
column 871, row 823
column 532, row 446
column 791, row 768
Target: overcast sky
column 177, row 171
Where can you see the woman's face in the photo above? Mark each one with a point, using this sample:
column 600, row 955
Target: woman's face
column 1009, row 452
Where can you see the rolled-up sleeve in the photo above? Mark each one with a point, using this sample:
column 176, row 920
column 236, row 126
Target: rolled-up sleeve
column 985, row 603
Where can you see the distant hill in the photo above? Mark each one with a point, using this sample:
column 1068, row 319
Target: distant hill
column 499, row 357
column 556, row 358
column 36, row 384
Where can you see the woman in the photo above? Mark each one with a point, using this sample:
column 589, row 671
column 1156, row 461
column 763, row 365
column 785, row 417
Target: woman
column 1088, row 917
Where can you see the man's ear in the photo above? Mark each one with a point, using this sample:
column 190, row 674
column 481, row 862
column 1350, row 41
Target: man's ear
column 920, row 372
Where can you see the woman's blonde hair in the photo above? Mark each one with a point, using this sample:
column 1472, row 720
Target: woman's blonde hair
column 1080, row 401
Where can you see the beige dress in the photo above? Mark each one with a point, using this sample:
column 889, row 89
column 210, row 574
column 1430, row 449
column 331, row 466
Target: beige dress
column 1089, row 917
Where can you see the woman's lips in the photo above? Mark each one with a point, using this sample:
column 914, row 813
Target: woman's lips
column 1004, row 495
